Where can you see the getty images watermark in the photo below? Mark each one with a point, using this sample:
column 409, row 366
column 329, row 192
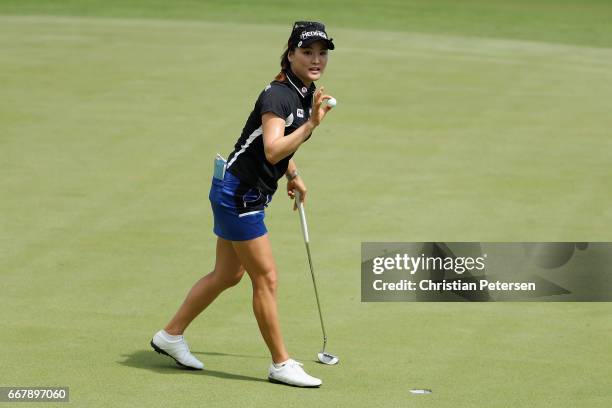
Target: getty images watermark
column 474, row 271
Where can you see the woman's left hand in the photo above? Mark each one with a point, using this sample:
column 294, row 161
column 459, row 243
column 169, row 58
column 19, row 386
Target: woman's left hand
column 292, row 186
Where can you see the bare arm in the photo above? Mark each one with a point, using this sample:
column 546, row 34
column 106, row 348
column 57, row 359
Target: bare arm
column 291, row 169
column 277, row 146
column 295, row 182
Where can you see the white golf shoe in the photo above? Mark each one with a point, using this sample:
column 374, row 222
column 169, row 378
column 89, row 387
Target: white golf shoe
column 177, row 349
column 292, row 373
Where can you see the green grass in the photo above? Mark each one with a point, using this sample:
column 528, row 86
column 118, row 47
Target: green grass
column 565, row 21
column 108, row 127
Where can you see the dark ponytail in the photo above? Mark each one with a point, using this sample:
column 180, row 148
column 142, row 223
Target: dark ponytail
column 285, row 64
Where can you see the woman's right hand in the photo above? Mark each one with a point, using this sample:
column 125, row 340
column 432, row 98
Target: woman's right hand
column 318, row 112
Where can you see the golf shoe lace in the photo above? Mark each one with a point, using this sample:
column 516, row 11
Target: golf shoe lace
column 295, row 363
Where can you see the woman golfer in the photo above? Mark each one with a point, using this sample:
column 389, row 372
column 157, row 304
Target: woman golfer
column 285, row 115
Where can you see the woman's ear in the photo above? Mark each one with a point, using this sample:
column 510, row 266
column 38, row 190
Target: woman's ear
column 290, row 55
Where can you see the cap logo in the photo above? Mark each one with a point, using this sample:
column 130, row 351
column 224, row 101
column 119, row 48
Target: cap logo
column 317, row 33
column 300, row 44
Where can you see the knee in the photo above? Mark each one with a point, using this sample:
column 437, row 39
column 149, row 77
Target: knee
column 266, row 281
column 227, row 279
column 234, row 279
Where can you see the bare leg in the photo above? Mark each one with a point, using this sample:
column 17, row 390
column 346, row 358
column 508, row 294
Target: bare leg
column 256, row 256
column 227, row 273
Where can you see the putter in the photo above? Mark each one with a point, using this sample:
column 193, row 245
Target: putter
column 324, row 357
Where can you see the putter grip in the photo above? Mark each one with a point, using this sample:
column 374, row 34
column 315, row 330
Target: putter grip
column 302, row 216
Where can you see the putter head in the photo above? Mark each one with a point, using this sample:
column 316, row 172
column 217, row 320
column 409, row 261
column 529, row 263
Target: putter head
column 327, row 358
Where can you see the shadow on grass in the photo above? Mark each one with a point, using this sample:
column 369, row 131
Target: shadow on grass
column 215, row 353
column 150, row 360
column 266, row 357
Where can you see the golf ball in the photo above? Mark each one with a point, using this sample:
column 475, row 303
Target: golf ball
column 331, row 102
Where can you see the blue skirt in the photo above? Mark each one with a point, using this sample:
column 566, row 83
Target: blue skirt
column 238, row 209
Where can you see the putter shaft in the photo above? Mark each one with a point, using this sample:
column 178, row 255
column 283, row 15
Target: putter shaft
column 314, row 281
